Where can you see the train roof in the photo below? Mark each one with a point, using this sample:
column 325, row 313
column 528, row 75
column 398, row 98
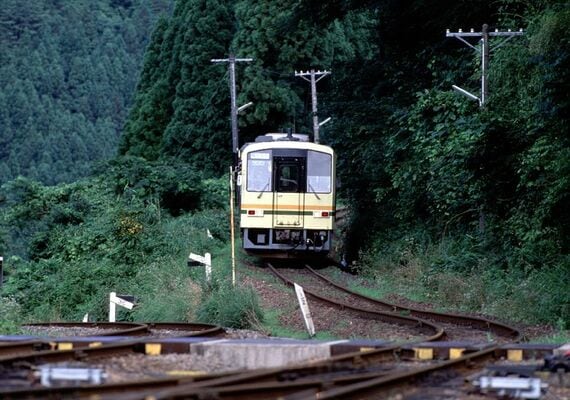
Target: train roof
column 283, row 141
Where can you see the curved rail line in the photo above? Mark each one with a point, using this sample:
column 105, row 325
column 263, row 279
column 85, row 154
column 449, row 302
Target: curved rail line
column 457, row 319
column 138, row 329
column 37, row 351
column 436, row 331
column 35, row 345
column 115, row 328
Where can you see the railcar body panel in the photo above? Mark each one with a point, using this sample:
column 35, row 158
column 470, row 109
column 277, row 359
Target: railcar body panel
column 287, row 196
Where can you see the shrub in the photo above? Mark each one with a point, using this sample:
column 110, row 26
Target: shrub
column 10, row 311
column 233, row 307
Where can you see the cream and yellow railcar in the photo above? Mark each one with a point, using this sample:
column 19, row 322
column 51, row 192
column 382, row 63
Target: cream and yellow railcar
column 287, row 195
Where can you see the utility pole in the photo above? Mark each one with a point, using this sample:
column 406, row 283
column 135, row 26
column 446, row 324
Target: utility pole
column 484, row 36
column 313, row 80
column 234, row 109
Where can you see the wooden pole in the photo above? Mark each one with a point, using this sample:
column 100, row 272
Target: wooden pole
column 232, row 224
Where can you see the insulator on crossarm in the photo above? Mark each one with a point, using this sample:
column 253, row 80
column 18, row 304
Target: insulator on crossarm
column 472, row 30
column 461, row 30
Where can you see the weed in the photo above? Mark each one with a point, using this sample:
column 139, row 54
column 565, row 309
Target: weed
column 10, row 311
column 234, row 307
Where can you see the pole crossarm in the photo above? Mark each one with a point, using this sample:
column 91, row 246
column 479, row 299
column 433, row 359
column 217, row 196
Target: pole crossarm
column 220, row 60
column 485, row 50
column 234, row 108
column 460, row 35
column 315, row 76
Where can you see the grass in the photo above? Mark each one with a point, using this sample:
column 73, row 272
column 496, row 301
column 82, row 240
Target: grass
column 560, row 337
column 448, row 291
column 10, row 320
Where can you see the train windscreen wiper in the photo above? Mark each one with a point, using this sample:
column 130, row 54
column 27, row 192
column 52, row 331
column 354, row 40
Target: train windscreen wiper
column 312, row 189
column 263, row 190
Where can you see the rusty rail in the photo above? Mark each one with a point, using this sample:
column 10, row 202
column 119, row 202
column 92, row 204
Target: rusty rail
column 389, row 317
column 457, row 319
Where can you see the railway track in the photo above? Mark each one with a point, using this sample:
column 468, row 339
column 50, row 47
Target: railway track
column 424, row 330
column 456, row 326
column 366, row 373
column 44, row 350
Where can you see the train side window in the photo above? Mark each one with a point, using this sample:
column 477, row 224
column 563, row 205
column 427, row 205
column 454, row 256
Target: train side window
column 319, row 172
column 259, row 173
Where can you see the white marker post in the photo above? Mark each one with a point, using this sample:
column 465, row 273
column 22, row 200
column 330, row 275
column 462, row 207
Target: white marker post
column 195, row 260
column 305, row 309
column 1, row 271
column 119, row 300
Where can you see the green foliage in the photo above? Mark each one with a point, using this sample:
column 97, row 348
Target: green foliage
column 11, row 316
column 462, row 275
column 181, row 107
column 439, row 138
column 439, row 187
column 181, row 104
column 113, row 232
column 173, row 187
column 67, row 76
column 242, row 312
column 165, row 292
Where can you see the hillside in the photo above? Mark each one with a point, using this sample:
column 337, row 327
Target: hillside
column 68, row 72
column 443, row 193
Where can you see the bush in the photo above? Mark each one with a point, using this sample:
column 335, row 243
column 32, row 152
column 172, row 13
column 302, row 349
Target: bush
column 461, row 274
column 165, row 292
column 233, row 307
column 11, row 313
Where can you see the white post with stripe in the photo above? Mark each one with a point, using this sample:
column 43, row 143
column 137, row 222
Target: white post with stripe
column 196, row 260
column 305, row 309
column 117, row 300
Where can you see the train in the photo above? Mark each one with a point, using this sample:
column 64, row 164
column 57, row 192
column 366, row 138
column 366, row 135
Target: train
column 286, row 186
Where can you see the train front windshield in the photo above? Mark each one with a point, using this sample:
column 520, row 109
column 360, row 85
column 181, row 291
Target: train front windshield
column 309, row 172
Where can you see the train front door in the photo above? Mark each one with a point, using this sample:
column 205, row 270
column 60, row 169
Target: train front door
column 289, row 183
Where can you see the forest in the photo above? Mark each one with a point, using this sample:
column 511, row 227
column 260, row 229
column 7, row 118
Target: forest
column 116, row 142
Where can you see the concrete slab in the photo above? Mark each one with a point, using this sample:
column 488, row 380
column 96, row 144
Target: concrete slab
column 264, row 353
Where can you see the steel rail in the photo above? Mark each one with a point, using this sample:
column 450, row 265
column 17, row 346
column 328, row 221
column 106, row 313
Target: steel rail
column 33, row 346
column 90, row 390
column 392, row 318
column 264, row 384
column 25, row 346
column 372, row 387
column 117, row 328
column 105, row 350
column 102, row 350
column 280, row 381
column 457, row 319
column 277, row 380
column 194, row 329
